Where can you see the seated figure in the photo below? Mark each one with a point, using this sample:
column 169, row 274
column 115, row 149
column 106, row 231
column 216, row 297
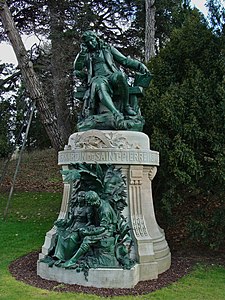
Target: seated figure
column 68, row 230
column 94, row 232
column 93, row 235
column 97, row 65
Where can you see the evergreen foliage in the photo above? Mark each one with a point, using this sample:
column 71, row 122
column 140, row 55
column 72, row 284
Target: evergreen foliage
column 14, row 113
column 8, row 92
column 185, row 113
column 169, row 15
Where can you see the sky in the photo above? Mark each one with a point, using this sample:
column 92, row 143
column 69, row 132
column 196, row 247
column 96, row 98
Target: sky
column 200, row 4
column 7, row 54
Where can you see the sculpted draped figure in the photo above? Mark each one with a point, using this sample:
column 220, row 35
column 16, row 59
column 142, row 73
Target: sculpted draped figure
column 68, row 230
column 94, row 233
column 97, row 65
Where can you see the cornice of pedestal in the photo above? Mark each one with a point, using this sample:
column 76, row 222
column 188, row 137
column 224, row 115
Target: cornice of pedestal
column 109, row 147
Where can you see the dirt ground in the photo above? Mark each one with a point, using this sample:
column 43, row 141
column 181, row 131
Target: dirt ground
column 24, row 269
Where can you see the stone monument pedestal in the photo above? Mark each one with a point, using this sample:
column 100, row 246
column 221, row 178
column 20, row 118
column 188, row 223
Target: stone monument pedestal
column 131, row 152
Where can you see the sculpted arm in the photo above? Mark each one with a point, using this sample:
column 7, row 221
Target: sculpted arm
column 89, row 216
column 128, row 62
column 79, row 65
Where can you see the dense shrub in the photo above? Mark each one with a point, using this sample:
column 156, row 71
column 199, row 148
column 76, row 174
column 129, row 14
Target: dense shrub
column 185, row 112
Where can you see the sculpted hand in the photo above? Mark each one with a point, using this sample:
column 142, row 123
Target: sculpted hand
column 84, row 231
column 83, row 47
column 60, row 223
column 143, row 69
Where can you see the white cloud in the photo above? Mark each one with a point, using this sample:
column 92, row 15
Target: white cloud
column 200, row 4
column 7, row 54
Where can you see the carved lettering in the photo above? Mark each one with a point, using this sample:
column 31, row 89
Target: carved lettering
column 110, row 155
column 97, row 156
column 128, row 157
column 145, row 157
column 124, row 156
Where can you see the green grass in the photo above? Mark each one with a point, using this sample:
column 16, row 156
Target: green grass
column 32, row 214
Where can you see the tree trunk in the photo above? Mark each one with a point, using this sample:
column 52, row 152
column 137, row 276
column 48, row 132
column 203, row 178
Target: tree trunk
column 149, row 29
column 31, row 81
column 59, row 66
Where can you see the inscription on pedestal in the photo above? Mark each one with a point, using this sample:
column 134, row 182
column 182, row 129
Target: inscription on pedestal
column 109, row 156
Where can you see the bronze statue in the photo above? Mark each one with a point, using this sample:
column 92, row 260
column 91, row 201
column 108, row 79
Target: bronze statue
column 92, row 235
column 106, row 84
column 94, row 232
column 68, row 230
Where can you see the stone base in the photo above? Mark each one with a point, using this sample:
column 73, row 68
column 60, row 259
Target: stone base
column 107, row 278
column 129, row 151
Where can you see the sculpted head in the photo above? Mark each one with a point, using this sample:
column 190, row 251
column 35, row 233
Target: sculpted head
column 92, row 198
column 81, row 197
column 112, row 184
column 91, row 40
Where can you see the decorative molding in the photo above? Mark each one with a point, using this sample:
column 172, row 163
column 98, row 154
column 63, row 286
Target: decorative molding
column 152, row 172
column 95, row 139
column 136, row 175
column 139, row 227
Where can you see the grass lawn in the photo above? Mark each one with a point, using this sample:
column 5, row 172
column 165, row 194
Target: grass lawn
column 32, row 214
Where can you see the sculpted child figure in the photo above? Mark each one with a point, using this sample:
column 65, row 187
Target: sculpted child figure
column 94, row 232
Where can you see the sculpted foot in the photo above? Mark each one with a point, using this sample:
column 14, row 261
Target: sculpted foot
column 58, row 263
column 118, row 116
column 130, row 111
column 69, row 264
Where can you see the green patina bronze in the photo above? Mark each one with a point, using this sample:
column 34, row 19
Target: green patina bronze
column 109, row 102
column 79, row 216
column 94, row 233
